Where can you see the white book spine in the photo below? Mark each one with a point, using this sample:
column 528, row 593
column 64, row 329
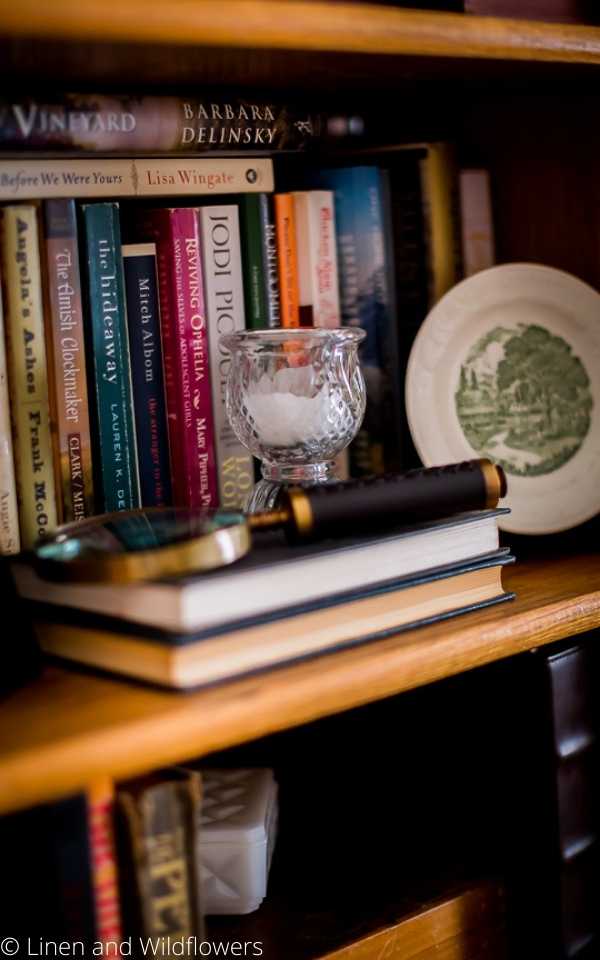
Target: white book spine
column 317, row 258
column 10, row 541
column 477, row 221
column 165, row 176
column 224, row 293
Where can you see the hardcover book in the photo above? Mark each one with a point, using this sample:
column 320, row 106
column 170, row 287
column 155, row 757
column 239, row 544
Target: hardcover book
column 221, row 260
column 275, row 575
column 10, row 540
column 259, row 247
column 158, row 819
column 155, row 124
column 476, row 221
column 143, row 324
column 243, row 646
column 176, row 233
column 107, row 177
column 55, row 900
column 103, row 863
column 317, row 258
column 118, row 478
column 439, row 188
column 26, row 352
column 67, row 363
column 367, row 301
column 270, row 263
column 285, row 221
column 255, row 290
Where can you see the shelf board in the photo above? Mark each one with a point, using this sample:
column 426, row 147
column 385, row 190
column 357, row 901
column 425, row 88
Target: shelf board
column 300, row 25
column 68, row 727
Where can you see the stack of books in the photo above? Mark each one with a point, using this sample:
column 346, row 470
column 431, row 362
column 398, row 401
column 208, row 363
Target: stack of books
column 278, row 604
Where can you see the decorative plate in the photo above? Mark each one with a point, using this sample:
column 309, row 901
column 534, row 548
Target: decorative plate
column 507, row 366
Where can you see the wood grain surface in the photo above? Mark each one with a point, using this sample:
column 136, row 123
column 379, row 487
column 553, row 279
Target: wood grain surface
column 67, row 728
column 298, row 25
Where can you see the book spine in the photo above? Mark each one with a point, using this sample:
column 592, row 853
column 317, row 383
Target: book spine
column 303, row 247
column 221, row 259
column 193, row 350
column 476, row 221
column 154, row 124
column 67, row 363
column 255, row 291
column 110, row 353
column 285, row 221
column 388, row 336
column 160, row 826
column 364, row 297
column 270, row 266
column 156, row 225
column 143, row 323
column 317, row 259
column 28, row 374
column 10, row 539
column 105, row 890
column 39, row 179
column 185, row 345
column 410, row 264
column 440, row 213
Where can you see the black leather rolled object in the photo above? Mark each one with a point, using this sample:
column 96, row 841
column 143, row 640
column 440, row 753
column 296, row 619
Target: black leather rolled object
column 429, row 493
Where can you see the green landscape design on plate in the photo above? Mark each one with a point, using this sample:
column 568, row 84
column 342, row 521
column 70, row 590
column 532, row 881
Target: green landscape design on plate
column 524, row 399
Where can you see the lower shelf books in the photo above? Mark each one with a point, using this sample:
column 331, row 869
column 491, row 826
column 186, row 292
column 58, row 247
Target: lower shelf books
column 194, row 659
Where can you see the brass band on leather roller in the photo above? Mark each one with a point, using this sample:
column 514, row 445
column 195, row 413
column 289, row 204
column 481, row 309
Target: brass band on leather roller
column 429, row 493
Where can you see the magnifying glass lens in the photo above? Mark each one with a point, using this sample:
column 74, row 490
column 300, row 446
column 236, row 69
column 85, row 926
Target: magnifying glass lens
column 164, row 533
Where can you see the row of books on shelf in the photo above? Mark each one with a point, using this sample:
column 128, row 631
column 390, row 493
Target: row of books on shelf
column 114, row 310
column 132, row 869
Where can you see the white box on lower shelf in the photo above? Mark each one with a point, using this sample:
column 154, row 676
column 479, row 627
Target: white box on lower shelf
column 239, row 824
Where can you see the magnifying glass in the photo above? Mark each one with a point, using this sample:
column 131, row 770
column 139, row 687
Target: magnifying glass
column 151, row 544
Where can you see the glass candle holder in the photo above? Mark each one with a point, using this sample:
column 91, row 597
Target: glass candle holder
column 295, row 398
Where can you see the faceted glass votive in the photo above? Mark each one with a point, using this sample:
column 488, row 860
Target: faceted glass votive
column 295, row 398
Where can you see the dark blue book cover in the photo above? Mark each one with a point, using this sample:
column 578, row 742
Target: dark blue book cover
column 145, row 351
column 366, row 301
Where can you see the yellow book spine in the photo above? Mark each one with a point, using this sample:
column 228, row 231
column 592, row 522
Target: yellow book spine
column 10, row 540
column 438, row 188
column 28, row 377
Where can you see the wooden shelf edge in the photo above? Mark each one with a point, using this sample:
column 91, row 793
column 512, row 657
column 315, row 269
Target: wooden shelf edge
column 299, row 25
column 68, row 728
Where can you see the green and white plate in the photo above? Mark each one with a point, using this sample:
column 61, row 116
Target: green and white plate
column 507, row 366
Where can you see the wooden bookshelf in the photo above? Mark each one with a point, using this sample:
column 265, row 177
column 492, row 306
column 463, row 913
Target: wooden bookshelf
column 68, row 727
column 301, row 25
column 280, row 45
column 519, row 97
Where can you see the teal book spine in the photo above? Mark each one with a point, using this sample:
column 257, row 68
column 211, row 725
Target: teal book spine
column 115, row 433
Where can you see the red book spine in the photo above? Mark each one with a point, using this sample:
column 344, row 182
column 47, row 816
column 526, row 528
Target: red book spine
column 107, row 911
column 185, row 356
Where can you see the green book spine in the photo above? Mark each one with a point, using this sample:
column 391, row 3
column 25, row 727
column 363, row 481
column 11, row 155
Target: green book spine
column 253, row 262
column 118, row 472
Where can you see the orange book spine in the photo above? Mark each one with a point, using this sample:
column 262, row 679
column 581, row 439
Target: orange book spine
column 285, row 223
